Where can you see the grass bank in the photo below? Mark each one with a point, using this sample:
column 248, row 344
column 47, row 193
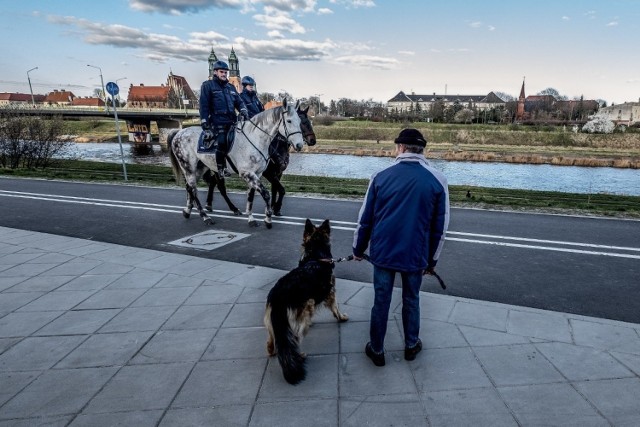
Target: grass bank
column 481, row 143
column 548, row 201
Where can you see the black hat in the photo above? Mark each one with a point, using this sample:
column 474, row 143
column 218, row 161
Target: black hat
column 411, row 137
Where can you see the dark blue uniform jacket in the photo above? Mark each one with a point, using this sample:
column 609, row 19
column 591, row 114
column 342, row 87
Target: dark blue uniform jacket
column 218, row 103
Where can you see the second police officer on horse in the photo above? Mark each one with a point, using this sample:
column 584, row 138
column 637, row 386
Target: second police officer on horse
column 250, row 96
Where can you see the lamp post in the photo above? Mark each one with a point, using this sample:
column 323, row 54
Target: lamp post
column 104, row 94
column 33, row 102
column 318, row 95
column 117, row 80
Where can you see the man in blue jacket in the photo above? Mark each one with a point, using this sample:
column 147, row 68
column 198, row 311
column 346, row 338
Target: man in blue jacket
column 219, row 101
column 403, row 221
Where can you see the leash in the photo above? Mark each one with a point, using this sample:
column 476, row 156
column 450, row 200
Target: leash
column 366, row 257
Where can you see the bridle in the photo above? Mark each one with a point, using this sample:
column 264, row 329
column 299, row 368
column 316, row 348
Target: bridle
column 284, row 125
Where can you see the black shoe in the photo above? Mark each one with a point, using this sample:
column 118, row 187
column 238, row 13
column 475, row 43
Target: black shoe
column 377, row 359
column 410, row 353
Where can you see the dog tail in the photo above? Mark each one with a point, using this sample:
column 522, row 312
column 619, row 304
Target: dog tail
column 291, row 361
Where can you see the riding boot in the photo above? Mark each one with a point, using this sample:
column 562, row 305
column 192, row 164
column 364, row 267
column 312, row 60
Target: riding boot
column 221, row 164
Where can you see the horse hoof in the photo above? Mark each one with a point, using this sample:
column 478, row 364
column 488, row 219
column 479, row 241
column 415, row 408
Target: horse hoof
column 209, row 221
column 186, row 214
column 254, row 223
column 277, row 213
column 209, row 208
column 268, row 224
column 237, row 212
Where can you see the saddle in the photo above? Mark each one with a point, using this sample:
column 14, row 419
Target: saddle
column 209, row 146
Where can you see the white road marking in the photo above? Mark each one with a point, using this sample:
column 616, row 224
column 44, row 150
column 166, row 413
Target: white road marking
column 491, row 239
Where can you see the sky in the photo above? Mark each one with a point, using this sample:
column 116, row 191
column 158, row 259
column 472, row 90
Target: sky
column 356, row 49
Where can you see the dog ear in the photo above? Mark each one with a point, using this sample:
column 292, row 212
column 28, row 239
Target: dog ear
column 326, row 227
column 308, row 227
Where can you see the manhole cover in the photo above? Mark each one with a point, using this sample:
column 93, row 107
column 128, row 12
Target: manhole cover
column 209, row 240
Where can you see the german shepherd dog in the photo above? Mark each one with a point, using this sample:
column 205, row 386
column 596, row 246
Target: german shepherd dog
column 293, row 300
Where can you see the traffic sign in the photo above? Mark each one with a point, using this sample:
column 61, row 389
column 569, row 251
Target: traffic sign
column 113, row 88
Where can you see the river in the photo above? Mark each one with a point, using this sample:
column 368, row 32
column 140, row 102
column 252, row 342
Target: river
column 571, row 179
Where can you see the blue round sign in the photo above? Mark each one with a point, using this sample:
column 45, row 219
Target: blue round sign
column 113, row 88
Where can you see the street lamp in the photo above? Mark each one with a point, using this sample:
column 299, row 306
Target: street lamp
column 319, row 95
column 33, row 102
column 104, row 94
column 117, row 80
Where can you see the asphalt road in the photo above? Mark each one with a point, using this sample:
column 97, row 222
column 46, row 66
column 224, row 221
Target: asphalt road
column 588, row 266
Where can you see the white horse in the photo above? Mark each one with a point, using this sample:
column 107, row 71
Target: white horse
column 248, row 156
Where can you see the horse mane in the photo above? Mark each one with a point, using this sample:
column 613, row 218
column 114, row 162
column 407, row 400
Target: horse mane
column 260, row 119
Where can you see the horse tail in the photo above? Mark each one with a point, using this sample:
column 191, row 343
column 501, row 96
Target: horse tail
column 175, row 167
column 291, row 361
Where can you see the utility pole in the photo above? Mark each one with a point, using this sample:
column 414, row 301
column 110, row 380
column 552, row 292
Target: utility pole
column 319, row 95
column 33, row 102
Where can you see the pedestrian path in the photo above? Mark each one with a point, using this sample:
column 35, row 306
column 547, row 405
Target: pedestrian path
column 97, row 334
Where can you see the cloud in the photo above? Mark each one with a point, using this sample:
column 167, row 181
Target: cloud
column 367, row 61
column 491, row 27
column 274, row 19
column 565, row 18
column 355, row 3
column 163, row 48
column 324, row 11
column 476, row 24
column 406, row 52
column 612, row 24
column 173, row 7
column 283, row 49
column 289, row 5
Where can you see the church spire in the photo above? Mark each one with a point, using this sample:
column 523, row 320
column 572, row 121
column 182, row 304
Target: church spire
column 212, row 59
column 234, row 66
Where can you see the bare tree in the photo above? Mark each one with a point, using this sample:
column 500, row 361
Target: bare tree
column 30, row 141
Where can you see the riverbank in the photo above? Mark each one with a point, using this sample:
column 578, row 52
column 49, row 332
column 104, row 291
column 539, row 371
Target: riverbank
column 467, row 196
column 473, row 143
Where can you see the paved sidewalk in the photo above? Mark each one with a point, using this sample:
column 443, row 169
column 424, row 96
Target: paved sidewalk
column 97, row 334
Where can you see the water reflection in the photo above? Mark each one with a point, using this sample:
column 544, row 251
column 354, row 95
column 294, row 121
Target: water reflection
column 571, row 179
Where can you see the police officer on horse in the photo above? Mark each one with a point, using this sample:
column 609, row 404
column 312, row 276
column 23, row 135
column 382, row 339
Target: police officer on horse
column 219, row 101
column 250, row 96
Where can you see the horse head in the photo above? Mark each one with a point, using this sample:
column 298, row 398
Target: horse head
column 306, row 127
column 290, row 126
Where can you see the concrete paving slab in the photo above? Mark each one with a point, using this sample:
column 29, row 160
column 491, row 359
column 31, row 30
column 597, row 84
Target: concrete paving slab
column 57, row 392
column 472, row 406
column 24, row 324
column 175, row 346
column 40, row 284
column 138, row 319
column 198, row 316
column 106, row 298
column 238, row 343
column 551, row 405
column 38, row 353
column 134, row 418
column 442, row 369
column 230, row 415
column 214, row 293
column 114, row 349
column 319, row 413
column 163, row 297
column 82, row 322
column 388, row 410
column 624, row 339
column 616, row 399
column 140, row 388
column 321, row 381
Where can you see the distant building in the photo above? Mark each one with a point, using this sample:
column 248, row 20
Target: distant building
column 59, row 97
column 627, row 114
column 88, row 102
column 176, row 94
column 7, row 99
column 558, row 109
column 403, row 102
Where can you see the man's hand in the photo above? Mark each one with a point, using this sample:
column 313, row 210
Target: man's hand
column 430, row 271
column 357, row 258
column 244, row 114
column 207, row 135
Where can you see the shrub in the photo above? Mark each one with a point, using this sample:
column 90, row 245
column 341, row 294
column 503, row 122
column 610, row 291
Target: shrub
column 30, row 141
column 599, row 125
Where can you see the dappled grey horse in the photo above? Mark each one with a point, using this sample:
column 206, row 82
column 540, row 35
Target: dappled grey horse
column 248, row 156
column 278, row 162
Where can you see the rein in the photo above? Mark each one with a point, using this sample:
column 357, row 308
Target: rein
column 366, row 257
column 286, row 131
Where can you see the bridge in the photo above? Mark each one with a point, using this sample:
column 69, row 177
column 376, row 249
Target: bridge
column 138, row 119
